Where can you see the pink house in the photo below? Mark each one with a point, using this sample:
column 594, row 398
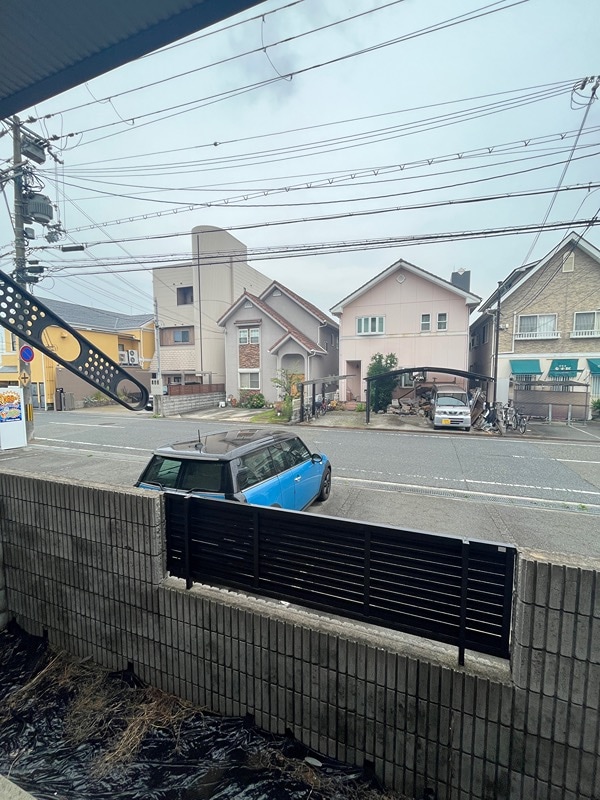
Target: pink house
column 404, row 310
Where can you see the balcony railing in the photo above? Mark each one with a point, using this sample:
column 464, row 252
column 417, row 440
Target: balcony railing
column 585, row 334
column 538, row 335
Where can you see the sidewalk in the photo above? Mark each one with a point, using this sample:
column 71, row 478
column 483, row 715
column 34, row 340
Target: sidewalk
column 409, row 423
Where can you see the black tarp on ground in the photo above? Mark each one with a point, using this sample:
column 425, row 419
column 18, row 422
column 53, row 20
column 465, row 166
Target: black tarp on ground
column 70, row 731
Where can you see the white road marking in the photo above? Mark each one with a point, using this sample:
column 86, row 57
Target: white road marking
column 467, row 481
column 464, row 492
column 88, row 425
column 93, row 444
column 593, row 435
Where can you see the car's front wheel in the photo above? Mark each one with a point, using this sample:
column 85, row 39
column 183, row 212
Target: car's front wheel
column 325, row 485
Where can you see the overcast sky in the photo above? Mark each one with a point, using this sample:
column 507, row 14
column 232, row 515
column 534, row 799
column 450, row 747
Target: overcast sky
column 311, row 130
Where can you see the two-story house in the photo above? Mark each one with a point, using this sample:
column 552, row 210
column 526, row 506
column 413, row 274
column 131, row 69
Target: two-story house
column 548, row 333
column 191, row 297
column 126, row 339
column 274, row 332
column 405, row 310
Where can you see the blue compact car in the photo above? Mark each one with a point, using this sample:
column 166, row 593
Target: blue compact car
column 265, row 468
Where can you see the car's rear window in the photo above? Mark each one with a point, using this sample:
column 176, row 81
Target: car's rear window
column 187, row 474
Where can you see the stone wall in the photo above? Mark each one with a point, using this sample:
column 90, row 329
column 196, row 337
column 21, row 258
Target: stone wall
column 85, row 565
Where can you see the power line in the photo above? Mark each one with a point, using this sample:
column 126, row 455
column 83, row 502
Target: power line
column 329, row 248
column 194, row 104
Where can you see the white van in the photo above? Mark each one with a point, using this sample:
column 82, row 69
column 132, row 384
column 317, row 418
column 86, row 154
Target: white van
column 450, row 407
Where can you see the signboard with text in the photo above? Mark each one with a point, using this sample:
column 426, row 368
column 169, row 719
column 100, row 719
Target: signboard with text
column 12, row 418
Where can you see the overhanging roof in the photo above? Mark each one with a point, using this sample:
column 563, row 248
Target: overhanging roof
column 525, row 366
column 563, row 366
column 47, row 48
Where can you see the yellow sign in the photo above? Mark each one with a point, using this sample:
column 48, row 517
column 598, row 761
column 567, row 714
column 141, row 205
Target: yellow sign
column 25, row 378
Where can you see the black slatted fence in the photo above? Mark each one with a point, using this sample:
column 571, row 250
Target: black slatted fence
column 442, row 587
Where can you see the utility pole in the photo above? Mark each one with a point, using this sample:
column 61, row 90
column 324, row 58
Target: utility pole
column 157, row 382
column 21, row 268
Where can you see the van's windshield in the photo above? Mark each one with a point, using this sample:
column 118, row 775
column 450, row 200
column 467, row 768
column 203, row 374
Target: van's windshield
column 456, row 399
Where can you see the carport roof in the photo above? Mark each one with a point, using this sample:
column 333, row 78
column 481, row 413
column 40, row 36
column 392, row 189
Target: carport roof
column 47, row 48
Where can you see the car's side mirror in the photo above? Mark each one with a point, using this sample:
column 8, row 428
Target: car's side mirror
column 316, row 458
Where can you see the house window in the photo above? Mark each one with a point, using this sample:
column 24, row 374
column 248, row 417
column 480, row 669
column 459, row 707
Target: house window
column 485, row 333
column 586, row 323
column 524, row 382
column 249, row 335
column 568, row 264
column 425, row 322
column 185, row 295
column 367, row 325
column 442, row 321
column 537, row 326
column 170, row 336
column 249, row 379
column 474, row 343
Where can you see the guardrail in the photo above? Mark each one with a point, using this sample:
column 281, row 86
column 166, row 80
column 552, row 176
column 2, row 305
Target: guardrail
column 444, row 588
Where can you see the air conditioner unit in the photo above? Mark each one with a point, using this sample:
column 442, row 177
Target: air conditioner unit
column 123, row 357
column 133, row 357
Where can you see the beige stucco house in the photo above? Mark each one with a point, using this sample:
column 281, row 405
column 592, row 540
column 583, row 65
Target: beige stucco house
column 549, row 331
column 191, row 297
column 408, row 311
column 273, row 332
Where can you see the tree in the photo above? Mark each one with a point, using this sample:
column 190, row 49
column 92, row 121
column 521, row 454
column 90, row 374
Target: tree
column 286, row 380
column 381, row 390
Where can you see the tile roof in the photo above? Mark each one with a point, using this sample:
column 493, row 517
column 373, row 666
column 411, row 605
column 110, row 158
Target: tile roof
column 95, row 319
column 290, row 330
column 316, row 312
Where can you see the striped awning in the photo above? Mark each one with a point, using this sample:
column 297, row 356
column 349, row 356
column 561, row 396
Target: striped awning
column 563, row 367
column 525, row 366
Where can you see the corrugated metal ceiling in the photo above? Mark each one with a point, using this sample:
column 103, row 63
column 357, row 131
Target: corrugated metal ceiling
column 46, row 48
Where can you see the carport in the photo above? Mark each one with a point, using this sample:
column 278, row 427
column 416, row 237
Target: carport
column 421, row 372
column 322, row 382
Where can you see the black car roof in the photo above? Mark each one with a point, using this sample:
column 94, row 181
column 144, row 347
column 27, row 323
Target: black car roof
column 224, row 445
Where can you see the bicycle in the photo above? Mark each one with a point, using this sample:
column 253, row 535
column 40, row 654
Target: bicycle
column 513, row 419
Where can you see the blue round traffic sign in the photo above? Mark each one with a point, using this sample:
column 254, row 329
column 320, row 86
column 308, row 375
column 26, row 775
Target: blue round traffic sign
column 26, row 353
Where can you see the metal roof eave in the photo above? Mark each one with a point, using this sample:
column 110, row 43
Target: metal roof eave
column 99, row 40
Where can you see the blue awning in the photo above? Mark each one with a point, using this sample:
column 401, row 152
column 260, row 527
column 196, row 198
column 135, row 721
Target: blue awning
column 525, row 366
column 563, row 366
column 594, row 365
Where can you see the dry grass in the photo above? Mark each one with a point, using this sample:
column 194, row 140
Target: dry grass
column 327, row 785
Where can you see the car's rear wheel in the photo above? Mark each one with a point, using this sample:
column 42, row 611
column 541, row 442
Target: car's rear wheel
column 325, row 485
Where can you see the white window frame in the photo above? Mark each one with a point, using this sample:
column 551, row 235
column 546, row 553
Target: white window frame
column 365, row 325
column 425, row 323
column 442, row 324
column 243, row 336
column 587, row 333
column 537, row 333
column 254, row 335
column 250, row 373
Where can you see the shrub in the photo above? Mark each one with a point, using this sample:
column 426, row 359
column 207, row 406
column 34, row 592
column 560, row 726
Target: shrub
column 286, row 408
column 252, row 400
column 360, row 407
column 596, row 406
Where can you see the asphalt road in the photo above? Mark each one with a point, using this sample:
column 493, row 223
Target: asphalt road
column 539, row 493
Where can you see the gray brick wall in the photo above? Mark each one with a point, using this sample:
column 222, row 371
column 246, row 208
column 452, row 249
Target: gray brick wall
column 85, row 565
column 185, row 404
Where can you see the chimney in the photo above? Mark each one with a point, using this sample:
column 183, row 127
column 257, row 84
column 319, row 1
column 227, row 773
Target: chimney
column 462, row 279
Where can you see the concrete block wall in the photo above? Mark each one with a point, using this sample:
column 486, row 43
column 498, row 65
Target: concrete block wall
column 185, row 404
column 85, row 565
